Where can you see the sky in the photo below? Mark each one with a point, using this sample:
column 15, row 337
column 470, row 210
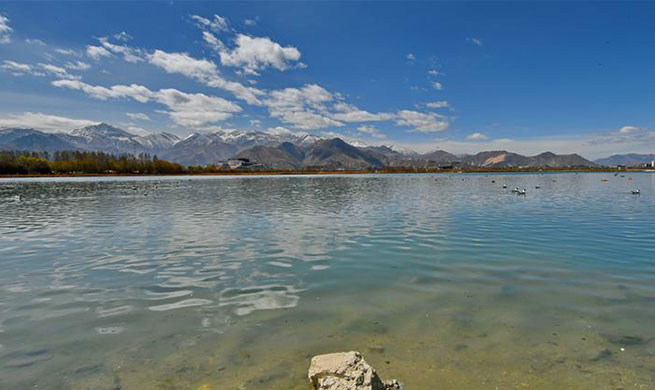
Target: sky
column 463, row 77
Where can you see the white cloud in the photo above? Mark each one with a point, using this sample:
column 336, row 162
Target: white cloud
column 436, row 85
column 433, row 72
column 371, row 130
column 55, row 70
column 66, row 52
column 203, row 71
column 437, row 104
column 250, row 22
column 350, row 113
column 185, row 109
column 253, row 54
column 216, row 44
column 475, row 41
column 304, row 108
column 218, row 24
column 411, row 57
column 138, row 115
column 33, row 41
column 40, row 70
column 16, row 68
column 130, row 54
column 77, row 65
column 97, row 52
column 122, row 36
column 630, row 129
column 196, row 109
column 422, row 122
column 133, row 91
column 5, row 30
column 477, row 137
column 181, row 63
column 45, row 122
column 255, row 123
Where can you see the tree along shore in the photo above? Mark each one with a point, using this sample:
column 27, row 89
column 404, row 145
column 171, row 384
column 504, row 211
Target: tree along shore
column 77, row 163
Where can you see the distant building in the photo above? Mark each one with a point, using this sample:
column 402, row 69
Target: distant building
column 236, row 163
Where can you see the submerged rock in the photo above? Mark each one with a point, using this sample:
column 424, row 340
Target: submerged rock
column 346, row 371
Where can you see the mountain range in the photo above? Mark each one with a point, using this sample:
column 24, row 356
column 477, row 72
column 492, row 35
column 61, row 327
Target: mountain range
column 627, row 160
column 272, row 149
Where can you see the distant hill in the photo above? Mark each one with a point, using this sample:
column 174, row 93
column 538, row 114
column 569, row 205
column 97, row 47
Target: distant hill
column 276, row 149
column 336, row 153
column 504, row 159
column 632, row 159
column 280, row 157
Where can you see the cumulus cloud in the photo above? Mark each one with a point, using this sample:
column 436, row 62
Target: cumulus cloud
column 204, row 71
column 97, row 52
column 45, row 122
column 371, row 131
column 186, row 109
column 350, row 113
column 129, row 54
column 253, row 54
column 217, row 24
column 66, row 52
column 433, row 72
column 422, row 122
column 477, row 137
column 182, row 63
column 216, row 44
column 133, row 91
column 250, row 22
column 138, row 116
column 122, row 36
column 40, row 70
column 436, row 85
column 16, row 68
column 196, row 109
column 5, row 30
column 411, row 57
column 438, row 104
column 77, row 65
column 304, row 108
column 56, row 70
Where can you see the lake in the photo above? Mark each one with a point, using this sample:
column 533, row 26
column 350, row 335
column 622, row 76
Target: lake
column 444, row 281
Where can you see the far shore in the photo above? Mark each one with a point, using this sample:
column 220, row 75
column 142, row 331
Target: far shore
column 237, row 172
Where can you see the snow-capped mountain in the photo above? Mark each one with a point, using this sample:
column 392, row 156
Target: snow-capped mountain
column 158, row 141
column 107, row 138
column 273, row 137
column 274, row 148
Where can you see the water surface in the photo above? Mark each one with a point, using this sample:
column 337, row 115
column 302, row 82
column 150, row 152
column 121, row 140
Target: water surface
column 442, row 281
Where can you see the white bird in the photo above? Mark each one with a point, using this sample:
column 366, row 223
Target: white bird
column 636, row 191
column 523, row 192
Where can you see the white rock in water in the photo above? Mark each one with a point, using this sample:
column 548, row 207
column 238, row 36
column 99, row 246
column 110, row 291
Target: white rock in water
column 345, row 371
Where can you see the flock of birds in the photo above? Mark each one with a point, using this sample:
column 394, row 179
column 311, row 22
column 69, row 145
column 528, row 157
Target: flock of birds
column 518, row 191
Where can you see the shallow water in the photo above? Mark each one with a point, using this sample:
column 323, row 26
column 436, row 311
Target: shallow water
column 442, row 281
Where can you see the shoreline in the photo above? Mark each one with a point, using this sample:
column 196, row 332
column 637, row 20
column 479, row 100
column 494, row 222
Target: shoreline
column 335, row 172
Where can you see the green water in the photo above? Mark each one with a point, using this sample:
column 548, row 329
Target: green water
column 442, row 281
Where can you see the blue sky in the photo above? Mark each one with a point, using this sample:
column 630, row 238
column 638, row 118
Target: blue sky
column 464, row 77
